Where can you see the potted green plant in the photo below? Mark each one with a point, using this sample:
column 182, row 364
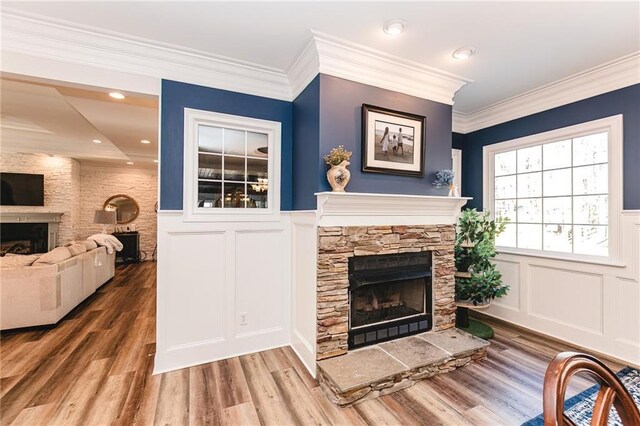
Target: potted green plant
column 478, row 281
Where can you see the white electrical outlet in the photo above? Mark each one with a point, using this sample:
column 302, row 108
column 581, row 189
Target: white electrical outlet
column 243, row 318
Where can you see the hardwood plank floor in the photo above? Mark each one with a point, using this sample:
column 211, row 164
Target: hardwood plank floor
column 95, row 367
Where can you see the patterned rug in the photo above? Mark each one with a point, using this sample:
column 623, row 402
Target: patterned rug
column 580, row 407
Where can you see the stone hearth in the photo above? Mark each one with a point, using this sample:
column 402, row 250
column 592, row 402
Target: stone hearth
column 388, row 367
column 335, row 246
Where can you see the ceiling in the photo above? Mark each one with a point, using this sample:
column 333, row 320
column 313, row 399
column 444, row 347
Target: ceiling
column 520, row 45
column 55, row 119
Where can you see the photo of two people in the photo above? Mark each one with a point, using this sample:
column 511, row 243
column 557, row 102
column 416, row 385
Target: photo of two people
column 394, row 143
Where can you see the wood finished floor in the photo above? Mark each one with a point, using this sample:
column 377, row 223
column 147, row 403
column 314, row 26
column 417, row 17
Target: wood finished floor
column 94, row 368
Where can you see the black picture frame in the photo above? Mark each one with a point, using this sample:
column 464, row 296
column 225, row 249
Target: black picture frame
column 404, row 151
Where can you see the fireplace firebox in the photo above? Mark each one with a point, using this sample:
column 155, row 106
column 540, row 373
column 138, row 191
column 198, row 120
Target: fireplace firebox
column 23, row 238
column 390, row 296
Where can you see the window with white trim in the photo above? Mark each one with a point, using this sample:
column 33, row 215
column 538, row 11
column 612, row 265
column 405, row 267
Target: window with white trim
column 560, row 190
column 231, row 166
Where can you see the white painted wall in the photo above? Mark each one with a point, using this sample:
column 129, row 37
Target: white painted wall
column 304, row 241
column 61, row 188
column 98, row 183
column 592, row 305
column 209, row 275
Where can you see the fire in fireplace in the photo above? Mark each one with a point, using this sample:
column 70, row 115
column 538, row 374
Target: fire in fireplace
column 389, row 297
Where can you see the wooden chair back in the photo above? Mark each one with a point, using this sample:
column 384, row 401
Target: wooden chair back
column 612, row 392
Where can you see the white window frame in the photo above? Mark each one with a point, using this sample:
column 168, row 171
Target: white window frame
column 273, row 129
column 456, row 166
column 611, row 125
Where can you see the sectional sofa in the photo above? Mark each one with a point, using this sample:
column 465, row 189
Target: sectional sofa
column 43, row 293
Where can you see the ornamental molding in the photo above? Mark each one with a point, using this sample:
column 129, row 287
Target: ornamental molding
column 607, row 77
column 47, row 38
column 334, row 56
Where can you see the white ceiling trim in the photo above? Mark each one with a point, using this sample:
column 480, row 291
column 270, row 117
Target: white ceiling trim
column 613, row 75
column 355, row 62
column 66, row 42
column 25, row 35
column 304, row 68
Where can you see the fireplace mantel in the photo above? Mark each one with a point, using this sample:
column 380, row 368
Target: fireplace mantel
column 365, row 209
column 30, row 217
column 51, row 218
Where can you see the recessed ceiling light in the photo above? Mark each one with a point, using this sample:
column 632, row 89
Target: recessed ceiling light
column 155, row 161
column 145, row 141
column 96, row 141
column 463, row 53
column 394, row 27
column 116, row 95
column 129, row 162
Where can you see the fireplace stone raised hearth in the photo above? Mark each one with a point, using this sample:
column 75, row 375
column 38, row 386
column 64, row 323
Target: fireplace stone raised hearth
column 388, row 367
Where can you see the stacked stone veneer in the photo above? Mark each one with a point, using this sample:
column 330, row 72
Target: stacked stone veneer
column 337, row 244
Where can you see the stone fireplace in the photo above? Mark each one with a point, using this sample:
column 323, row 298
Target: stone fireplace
column 380, row 313
column 339, row 246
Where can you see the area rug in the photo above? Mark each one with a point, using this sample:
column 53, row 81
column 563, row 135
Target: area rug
column 580, row 407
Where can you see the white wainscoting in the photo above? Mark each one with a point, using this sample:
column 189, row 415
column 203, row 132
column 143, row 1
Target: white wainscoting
column 592, row 305
column 304, row 240
column 210, row 275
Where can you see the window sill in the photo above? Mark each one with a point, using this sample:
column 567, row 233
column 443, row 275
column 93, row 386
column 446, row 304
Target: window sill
column 561, row 257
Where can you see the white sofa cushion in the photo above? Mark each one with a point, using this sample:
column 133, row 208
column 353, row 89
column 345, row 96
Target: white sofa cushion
column 90, row 244
column 77, row 248
column 56, row 255
column 18, row 260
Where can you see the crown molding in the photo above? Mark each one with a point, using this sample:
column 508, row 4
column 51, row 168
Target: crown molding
column 613, row 75
column 51, row 39
column 340, row 58
column 304, row 68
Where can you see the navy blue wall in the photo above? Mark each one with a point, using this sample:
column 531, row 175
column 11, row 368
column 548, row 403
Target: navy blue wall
column 457, row 141
column 624, row 101
column 306, row 149
column 340, row 124
column 177, row 96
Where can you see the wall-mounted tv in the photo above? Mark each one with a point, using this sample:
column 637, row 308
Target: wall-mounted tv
column 21, row 189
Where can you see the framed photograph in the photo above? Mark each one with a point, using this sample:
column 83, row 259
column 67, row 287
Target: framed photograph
column 392, row 141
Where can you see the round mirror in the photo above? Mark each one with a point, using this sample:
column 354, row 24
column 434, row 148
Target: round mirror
column 126, row 208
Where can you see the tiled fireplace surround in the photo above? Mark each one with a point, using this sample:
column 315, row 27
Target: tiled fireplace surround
column 376, row 224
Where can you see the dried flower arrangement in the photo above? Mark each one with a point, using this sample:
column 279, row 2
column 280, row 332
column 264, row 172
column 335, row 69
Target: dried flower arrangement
column 337, row 155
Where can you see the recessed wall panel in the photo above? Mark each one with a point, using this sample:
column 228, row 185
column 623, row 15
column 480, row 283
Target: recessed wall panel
column 511, row 277
column 261, row 294
column 572, row 298
column 196, row 288
column 627, row 310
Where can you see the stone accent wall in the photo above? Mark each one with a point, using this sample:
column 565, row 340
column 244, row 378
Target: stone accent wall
column 337, row 244
column 61, row 188
column 98, row 183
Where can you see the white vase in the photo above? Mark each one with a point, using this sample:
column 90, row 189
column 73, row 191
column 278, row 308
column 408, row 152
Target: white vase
column 453, row 190
column 338, row 176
